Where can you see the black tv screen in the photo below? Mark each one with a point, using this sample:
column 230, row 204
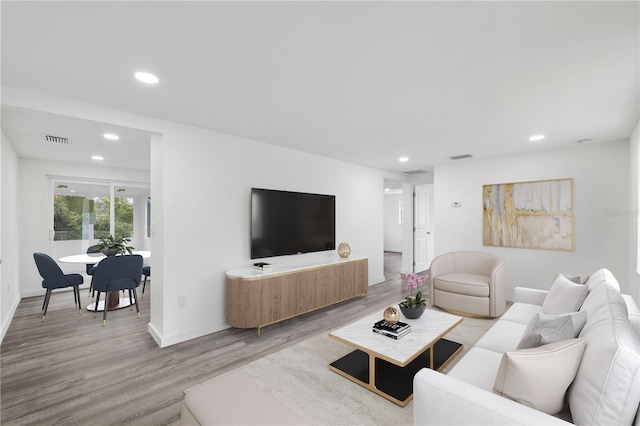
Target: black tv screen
column 284, row 222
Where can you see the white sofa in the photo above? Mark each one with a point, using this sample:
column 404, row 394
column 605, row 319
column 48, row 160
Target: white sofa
column 496, row 383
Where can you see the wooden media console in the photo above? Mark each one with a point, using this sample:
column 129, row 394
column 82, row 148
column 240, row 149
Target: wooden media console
column 256, row 299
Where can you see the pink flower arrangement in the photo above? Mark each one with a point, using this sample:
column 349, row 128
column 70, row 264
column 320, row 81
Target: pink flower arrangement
column 413, row 282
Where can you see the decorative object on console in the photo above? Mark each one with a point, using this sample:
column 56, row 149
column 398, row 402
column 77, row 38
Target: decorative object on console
column 344, row 250
column 391, row 315
column 111, row 245
column 536, row 215
column 263, row 266
column 412, row 306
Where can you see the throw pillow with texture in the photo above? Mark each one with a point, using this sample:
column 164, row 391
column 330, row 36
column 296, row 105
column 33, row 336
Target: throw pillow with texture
column 578, row 279
column 539, row 377
column 564, row 296
column 544, row 329
column 541, row 331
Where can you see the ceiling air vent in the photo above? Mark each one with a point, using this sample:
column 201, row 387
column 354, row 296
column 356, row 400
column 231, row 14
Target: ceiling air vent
column 56, row 139
column 461, row 157
column 415, row 172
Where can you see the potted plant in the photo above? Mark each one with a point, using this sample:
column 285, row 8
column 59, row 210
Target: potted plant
column 412, row 306
column 111, row 245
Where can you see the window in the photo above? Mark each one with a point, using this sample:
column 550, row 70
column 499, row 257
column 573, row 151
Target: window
column 89, row 211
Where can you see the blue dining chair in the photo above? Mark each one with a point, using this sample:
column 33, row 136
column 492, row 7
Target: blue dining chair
column 146, row 271
column 91, row 267
column 115, row 273
column 53, row 278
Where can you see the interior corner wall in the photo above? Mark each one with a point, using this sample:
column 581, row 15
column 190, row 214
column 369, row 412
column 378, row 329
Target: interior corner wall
column 601, row 194
column 9, row 270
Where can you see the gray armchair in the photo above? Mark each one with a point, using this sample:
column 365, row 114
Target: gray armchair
column 469, row 283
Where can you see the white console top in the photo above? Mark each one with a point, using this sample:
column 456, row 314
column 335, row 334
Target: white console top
column 291, row 264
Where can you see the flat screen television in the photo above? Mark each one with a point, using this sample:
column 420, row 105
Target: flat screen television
column 285, row 223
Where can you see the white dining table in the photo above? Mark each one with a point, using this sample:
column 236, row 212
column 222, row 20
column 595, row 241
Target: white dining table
column 115, row 301
column 91, row 258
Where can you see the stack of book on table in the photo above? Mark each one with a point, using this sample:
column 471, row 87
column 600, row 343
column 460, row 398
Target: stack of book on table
column 262, row 266
column 395, row 331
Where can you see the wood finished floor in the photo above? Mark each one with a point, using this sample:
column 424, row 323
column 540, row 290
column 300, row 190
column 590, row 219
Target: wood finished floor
column 71, row 370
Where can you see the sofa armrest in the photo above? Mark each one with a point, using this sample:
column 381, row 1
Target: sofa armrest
column 442, row 400
column 532, row 296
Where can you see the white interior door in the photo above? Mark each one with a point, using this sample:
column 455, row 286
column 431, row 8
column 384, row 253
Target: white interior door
column 423, row 227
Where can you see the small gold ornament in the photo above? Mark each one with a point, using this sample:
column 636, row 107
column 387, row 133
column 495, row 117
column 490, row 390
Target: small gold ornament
column 344, row 250
column 391, row 315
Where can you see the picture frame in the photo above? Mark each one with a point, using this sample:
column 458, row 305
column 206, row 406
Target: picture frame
column 534, row 215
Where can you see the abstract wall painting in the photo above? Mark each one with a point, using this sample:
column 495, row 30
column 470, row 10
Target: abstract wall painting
column 534, row 215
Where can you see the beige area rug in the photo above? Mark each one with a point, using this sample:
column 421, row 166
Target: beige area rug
column 299, row 376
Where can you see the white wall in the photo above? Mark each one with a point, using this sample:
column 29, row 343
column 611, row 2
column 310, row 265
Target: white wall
column 9, row 272
column 200, row 187
column 634, row 205
column 601, row 186
column 392, row 226
column 206, row 223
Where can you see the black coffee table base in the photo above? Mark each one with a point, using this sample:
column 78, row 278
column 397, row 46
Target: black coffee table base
column 389, row 380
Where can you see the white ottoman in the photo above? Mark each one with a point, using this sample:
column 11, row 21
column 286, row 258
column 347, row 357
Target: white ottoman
column 233, row 399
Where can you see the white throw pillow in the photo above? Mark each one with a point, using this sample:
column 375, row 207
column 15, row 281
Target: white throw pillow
column 544, row 329
column 564, row 296
column 578, row 279
column 539, row 377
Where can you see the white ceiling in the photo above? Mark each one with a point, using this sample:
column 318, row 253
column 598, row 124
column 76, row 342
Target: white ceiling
column 364, row 82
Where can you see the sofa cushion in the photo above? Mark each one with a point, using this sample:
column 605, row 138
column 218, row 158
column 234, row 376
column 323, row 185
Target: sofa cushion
column 521, row 313
column 564, row 296
column 539, row 377
column 466, row 369
column 602, row 277
column 503, row 336
column 544, row 329
column 461, row 283
column 606, row 389
column 598, row 284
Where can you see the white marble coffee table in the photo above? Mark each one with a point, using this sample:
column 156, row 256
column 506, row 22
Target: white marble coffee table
column 387, row 366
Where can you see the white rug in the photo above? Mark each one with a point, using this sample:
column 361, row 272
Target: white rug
column 299, row 376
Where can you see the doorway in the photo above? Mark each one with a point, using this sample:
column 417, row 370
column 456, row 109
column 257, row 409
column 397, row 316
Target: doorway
column 423, row 227
column 409, row 224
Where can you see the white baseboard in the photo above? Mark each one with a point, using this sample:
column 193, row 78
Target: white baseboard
column 6, row 322
column 164, row 341
column 376, row 280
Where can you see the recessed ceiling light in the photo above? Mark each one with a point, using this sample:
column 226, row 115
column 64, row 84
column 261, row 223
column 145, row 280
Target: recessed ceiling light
column 536, row 138
column 97, row 157
column 111, row 136
column 145, row 77
column 403, row 159
column 387, row 189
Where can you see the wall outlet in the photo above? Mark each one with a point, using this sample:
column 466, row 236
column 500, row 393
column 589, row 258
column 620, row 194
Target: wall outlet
column 182, row 302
